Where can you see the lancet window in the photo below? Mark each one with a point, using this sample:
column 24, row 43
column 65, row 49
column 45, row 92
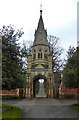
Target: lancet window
column 40, row 53
column 45, row 54
column 34, row 55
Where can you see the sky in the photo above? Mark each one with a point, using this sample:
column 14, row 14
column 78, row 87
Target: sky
column 78, row 24
column 59, row 16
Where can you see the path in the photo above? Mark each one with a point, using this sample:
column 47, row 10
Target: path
column 45, row 108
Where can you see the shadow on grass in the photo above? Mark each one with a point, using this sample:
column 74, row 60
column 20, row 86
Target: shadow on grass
column 10, row 112
column 75, row 106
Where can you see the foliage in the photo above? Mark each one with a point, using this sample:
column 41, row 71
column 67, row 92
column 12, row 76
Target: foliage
column 75, row 106
column 0, row 62
column 56, row 52
column 9, row 96
column 12, row 64
column 70, row 73
column 11, row 112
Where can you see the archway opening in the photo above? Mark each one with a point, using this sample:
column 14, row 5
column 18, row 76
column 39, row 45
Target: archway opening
column 39, row 87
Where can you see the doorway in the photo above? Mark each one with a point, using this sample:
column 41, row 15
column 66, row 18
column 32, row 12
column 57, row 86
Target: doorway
column 39, row 87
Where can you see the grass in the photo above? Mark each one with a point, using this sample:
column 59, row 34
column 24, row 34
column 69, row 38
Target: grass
column 9, row 97
column 0, row 111
column 75, row 106
column 11, row 112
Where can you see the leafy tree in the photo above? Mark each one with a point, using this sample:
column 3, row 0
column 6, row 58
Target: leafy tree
column 13, row 72
column 56, row 52
column 70, row 76
column 0, row 62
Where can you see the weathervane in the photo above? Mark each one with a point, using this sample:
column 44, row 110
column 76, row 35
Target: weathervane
column 41, row 8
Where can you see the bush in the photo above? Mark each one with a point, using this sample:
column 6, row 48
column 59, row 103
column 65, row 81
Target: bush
column 75, row 106
column 67, row 96
column 10, row 97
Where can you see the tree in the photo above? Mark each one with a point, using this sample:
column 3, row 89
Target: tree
column 12, row 64
column 70, row 76
column 24, row 52
column 0, row 62
column 56, row 52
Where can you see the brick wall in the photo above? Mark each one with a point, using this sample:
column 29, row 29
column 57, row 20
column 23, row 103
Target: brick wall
column 69, row 91
column 12, row 92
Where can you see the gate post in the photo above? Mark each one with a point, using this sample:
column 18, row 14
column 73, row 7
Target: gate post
column 28, row 90
column 50, row 87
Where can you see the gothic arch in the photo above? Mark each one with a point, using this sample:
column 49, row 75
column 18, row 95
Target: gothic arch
column 36, row 84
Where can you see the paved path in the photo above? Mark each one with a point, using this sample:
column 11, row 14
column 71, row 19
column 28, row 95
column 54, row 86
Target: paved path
column 45, row 108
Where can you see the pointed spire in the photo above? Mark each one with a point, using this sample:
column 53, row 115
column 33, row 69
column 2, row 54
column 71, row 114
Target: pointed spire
column 40, row 23
column 40, row 33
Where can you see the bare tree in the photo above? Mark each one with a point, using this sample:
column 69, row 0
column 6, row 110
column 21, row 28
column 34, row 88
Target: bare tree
column 55, row 49
column 56, row 52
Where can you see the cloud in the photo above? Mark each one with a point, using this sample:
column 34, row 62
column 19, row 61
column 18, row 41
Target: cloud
column 78, row 23
column 59, row 17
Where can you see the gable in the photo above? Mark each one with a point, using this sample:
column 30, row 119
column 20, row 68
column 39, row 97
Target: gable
column 39, row 66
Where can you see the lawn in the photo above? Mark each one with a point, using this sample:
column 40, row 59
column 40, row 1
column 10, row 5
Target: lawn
column 75, row 106
column 11, row 112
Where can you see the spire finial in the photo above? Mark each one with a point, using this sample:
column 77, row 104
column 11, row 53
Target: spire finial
column 41, row 6
column 41, row 9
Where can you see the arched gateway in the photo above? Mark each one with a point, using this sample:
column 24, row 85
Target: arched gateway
column 39, row 66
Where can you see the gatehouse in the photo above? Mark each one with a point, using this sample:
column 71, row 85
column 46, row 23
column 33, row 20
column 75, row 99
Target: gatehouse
column 39, row 77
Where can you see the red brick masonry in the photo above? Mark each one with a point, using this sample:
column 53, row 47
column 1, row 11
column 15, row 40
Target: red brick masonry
column 63, row 90
column 69, row 91
column 12, row 92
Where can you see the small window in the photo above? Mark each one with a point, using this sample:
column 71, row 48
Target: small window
column 40, row 50
column 34, row 50
column 46, row 50
column 50, row 79
column 41, row 55
column 34, row 56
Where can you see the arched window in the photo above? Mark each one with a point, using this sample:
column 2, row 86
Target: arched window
column 34, row 56
column 41, row 55
column 38, row 55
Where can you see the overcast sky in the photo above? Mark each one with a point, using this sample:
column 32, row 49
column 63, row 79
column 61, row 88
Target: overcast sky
column 59, row 16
